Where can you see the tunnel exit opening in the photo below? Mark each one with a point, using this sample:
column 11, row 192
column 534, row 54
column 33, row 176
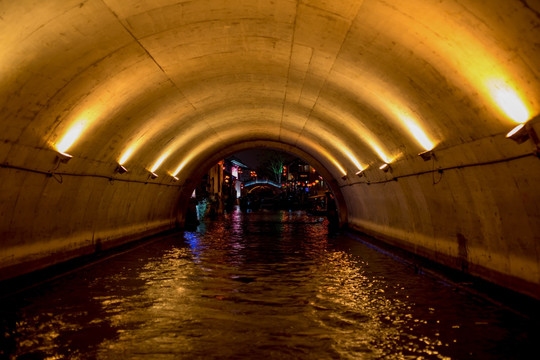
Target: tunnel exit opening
column 258, row 176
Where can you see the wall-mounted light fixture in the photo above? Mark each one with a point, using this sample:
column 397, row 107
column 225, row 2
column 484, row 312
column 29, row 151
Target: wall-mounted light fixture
column 519, row 134
column 386, row 167
column 344, row 177
column 525, row 131
column 174, row 178
column 360, row 173
column 427, row 155
column 120, row 169
column 63, row 157
column 152, row 175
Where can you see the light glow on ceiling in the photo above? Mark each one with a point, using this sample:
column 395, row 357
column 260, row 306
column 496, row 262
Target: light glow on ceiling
column 126, row 155
column 336, row 163
column 508, row 100
column 385, row 98
column 416, row 131
column 149, row 131
column 179, row 168
column 471, row 59
column 353, row 159
column 72, row 135
column 192, row 154
column 332, row 139
column 159, row 161
column 382, row 155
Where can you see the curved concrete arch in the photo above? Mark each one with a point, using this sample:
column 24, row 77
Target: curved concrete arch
column 463, row 44
column 208, row 147
column 223, row 122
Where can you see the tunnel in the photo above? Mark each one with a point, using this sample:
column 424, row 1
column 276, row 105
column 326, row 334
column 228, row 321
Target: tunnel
column 112, row 110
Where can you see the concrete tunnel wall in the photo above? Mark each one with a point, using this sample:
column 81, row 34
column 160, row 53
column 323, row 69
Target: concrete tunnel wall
column 46, row 219
column 169, row 86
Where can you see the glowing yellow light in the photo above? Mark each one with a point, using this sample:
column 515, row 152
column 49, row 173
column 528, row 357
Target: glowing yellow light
column 71, row 136
column 365, row 134
column 353, row 159
column 140, row 139
column 339, row 166
column 508, row 100
column 127, row 154
column 159, row 162
column 514, row 130
column 379, row 152
column 417, row 132
column 191, row 155
column 180, row 167
column 326, row 155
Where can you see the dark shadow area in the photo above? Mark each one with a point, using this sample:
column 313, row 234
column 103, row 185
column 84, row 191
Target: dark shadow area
column 21, row 283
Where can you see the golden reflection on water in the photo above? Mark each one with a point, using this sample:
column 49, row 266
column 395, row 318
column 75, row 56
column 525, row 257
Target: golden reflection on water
column 248, row 286
column 220, row 290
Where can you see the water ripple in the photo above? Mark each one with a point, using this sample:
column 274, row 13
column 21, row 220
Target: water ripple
column 273, row 285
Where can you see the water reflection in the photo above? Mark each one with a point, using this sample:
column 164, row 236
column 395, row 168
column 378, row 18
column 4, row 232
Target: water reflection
column 254, row 285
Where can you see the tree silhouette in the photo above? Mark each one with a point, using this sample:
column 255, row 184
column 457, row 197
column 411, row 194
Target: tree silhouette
column 272, row 165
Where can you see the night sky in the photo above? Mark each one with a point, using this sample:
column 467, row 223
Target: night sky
column 254, row 157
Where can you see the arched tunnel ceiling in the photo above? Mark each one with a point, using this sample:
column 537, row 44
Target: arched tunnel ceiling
column 163, row 85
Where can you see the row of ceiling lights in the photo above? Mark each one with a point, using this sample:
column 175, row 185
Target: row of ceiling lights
column 520, row 134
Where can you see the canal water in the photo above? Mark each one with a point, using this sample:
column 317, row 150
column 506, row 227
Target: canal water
column 260, row 285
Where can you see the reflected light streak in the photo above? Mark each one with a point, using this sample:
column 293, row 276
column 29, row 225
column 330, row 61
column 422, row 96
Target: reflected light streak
column 127, row 154
column 159, row 161
column 72, row 135
column 385, row 104
column 469, row 59
column 379, row 152
column 417, row 132
column 401, row 113
column 508, row 100
column 187, row 160
column 366, row 136
column 180, row 167
column 353, row 159
column 333, row 161
column 340, row 147
column 321, row 150
column 144, row 135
